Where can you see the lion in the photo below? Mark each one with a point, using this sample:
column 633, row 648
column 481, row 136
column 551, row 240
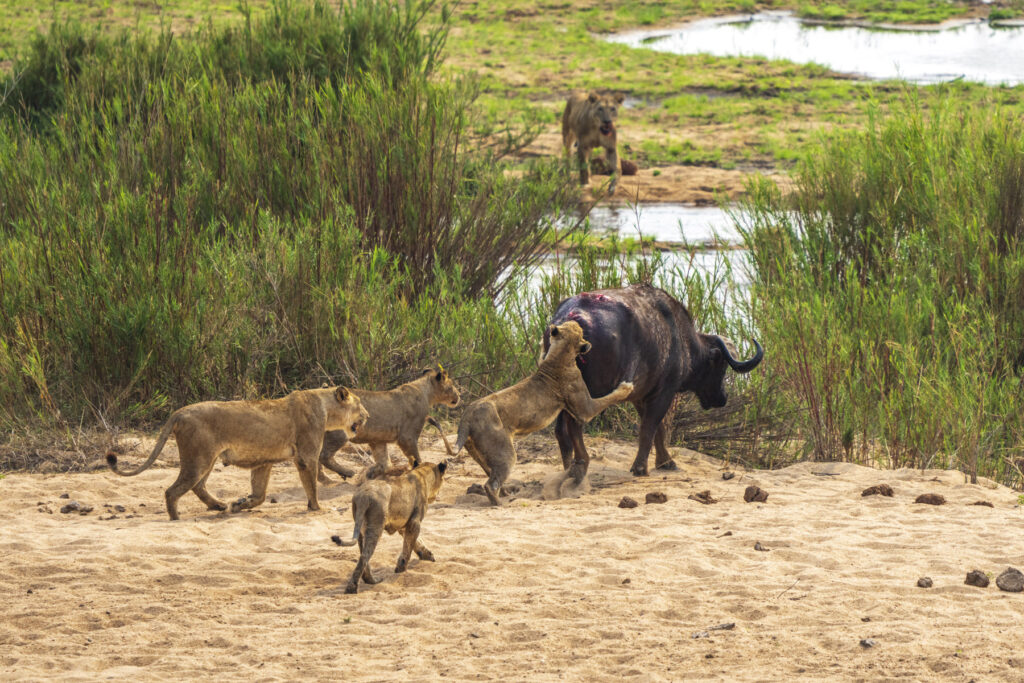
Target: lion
column 589, row 119
column 254, row 435
column 488, row 425
column 394, row 503
column 396, row 416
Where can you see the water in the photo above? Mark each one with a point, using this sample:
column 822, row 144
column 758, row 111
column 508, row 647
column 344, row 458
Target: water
column 694, row 225
column 973, row 51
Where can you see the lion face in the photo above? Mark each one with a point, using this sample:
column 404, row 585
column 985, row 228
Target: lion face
column 605, row 109
column 568, row 336
column 444, row 389
column 352, row 412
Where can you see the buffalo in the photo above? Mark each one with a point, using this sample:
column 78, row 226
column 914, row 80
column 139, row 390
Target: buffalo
column 640, row 334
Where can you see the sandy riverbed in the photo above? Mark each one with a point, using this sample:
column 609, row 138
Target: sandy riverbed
column 573, row 589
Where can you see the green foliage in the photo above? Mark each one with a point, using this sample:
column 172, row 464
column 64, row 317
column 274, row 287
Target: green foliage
column 890, row 288
column 245, row 211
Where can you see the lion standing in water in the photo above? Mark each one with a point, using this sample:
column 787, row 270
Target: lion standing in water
column 589, row 119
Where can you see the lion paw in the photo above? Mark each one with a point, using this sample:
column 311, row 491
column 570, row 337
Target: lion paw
column 400, row 567
column 239, row 505
column 426, row 555
column 218, row 506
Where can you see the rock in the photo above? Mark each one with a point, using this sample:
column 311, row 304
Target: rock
column 656, row 498
column 65, row 496
column 930, row 499
column 625, row 581
column 878, row 490
column 273, row 500
column 868, row 642
column 758, row 546
column 702, row 497
column 727, row 533
column 728, row 475
column 984, row 503
column 628, row 502
column 75, row 506
column 628, row 167
column 1011, row 580
column 44, row 508
column 753, row 494
column 976, row 578
column 924, row 582
column 120, row 508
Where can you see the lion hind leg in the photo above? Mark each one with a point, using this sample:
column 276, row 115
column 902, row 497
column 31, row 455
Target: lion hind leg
column 410, row 535
column 423, row 552
column 212, row 503
column 194, row 467
column 502, row 458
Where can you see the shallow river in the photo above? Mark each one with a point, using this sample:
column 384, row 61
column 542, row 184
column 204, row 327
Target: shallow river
column 975, row 51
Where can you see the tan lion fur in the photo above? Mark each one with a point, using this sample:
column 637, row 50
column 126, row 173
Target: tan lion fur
column 254, row 435
column 393, row 503
column 589, row 119
column 396, row 416
column 488, row 425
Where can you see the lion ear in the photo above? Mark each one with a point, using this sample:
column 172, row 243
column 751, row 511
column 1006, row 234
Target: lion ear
column 442, row 466
column 620, row 98
column 439, row 376
column 593, row 96
column 341, row 394
column 553, row 330
column 585, row 347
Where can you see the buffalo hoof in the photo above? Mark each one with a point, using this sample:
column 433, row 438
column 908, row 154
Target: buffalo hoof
column 638, row 470
column 668, row 466
column 351, row 588
column 578, row 472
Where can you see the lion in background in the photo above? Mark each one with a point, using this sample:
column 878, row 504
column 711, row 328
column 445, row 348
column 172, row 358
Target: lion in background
column 254, row 435
column 394, row 503
column 589, row 119
column 488, row 425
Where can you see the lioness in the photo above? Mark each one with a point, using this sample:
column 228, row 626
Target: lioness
column 396, row 416
column 254, row 435
column 488, row 425
column 589, row 119
column 394, row 503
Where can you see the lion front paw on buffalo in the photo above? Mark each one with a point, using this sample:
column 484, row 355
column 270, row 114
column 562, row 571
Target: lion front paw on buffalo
column 393, row 503
column 488, row 425
column 643, row 334
column 254, row 435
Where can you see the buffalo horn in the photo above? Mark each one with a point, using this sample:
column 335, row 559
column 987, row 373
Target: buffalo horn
column 742, row 366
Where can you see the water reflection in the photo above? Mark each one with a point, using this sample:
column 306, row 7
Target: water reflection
column 974, row 51
column 694, row 225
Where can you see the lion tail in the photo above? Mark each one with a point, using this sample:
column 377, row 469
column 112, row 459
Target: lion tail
column 460, row 441
column 359, row 516
column 447, row 446
column 164, row 434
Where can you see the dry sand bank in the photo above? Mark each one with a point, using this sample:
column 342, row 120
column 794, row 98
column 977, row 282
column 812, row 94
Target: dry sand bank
column 572, row 589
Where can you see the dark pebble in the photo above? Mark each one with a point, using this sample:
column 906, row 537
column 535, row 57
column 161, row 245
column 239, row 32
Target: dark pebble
column 628, row 502
column 930, row 499
column 878, row 490
column 758, row 546
column 924, row 582
column 976, row 578
column 754, row 494
column 1011, row 580
column 728, row 475
column 702, row 497
column 65, row 496
column 656, row 497
column 984, row 503
column 868, row 642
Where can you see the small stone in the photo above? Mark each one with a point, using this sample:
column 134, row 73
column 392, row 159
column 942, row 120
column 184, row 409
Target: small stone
column 628, row 167
column 728, row 475
column 758, row 546
column 753, row 494
column 865, row 619
column 273, row 500
column 75, row 506
column 702, row 497
column 924, row 582
column 1011, row 580
column 656, row 498
column 868, row 642
column 65, row 496
column 878, row 490
column 984, row 503
column 119, row 508
column 930, row 499
column 727, row 533
column 625, row 581
column 30, row 591
column 976, row 578
column 628, row 502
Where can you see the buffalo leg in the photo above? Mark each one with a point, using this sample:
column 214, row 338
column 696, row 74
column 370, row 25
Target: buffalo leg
column 581, row 459
column 651, row 414
column 564, row 438
column 662, row 459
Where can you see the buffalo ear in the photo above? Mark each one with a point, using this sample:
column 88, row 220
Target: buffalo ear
column 442, row 466
column 620, row 98
column 341, row 394
column 553, row 330
column 593, row 96
column 585, row 347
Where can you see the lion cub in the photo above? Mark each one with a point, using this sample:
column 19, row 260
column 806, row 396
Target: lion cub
column 396, row 416
column 488, row 425
column 394, row 503
column 254, row 435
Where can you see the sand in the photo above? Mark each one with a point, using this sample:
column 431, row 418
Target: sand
column 568, row 589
